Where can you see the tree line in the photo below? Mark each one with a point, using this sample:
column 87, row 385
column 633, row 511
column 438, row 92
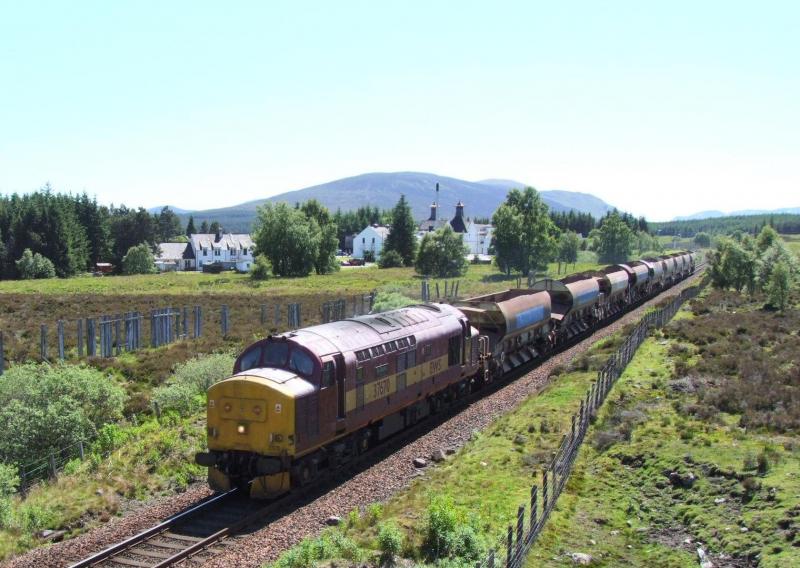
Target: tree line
column 763, row 263
column 67, row 234
column 785, row 223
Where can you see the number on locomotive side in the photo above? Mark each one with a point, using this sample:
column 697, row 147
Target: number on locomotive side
column 380, row 388
column 436, row 366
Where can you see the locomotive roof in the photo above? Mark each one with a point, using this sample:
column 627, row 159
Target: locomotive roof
column 364, row 331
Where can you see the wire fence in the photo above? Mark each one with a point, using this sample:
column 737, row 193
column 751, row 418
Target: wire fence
column 521, row 534
column 107, row 336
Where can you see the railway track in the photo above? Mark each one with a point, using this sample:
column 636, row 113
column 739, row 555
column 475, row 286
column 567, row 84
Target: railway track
column 197, row 533
column 184, row 537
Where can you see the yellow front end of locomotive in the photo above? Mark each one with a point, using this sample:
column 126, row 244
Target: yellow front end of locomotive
column 253, row 415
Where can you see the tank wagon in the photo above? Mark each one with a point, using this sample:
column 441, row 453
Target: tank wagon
column 304, row 402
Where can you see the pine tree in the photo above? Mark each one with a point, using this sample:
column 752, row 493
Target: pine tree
column 402, row 236
column 204, row 227
column 190, row 230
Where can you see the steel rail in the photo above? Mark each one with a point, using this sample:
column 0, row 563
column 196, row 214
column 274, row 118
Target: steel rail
column 334, row 475
column 145, row 535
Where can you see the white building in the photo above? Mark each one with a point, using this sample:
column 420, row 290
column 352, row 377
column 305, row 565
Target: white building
column 229, row 251
column 478, row 237
column 371, row 239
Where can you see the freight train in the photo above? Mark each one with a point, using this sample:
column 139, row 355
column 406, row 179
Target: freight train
column 304, row 402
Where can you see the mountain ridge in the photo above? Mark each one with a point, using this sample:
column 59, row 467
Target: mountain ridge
column 383, row 189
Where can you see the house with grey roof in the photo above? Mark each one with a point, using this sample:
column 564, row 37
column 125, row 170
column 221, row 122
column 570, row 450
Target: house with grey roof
column 226, row 250
column 231, row 250
column 172, row 257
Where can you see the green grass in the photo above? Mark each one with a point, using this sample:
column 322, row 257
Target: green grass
column 793, row 242
column 479, row 278
column 490, row 476
column 622, row 501
column 149, row 459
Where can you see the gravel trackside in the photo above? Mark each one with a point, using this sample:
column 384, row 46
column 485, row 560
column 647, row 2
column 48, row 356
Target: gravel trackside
column 377, row 483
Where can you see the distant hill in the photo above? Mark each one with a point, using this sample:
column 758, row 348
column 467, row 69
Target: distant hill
column 177, row 210
column 741, row 213
column 383, row 190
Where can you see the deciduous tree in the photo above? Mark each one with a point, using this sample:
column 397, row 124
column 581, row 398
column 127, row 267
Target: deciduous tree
column 614, row 239
column 139, row 260
column 442, row 254
column 525, row 235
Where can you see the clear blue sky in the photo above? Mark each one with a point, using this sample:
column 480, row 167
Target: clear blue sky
column 659, row 108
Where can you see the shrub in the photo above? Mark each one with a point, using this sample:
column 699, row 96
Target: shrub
column 139, row 260
column 450, row 534
column 374, row 513
column 390, row 300
column 390, row 540
column 261, row 268
column 51, row 407
column 185, row 390
column 390, row 259
column 31, row 266
column 9, row 481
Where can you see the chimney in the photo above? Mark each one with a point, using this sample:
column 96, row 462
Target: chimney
column 218, row 238
column 433, row 212
column 459, row 209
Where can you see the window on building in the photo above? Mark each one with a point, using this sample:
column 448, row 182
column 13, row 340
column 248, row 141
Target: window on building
column 373, row 240
column 363, row 240
column 216, row 252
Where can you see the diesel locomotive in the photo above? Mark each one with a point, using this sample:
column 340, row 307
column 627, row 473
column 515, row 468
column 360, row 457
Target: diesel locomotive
column 306, row 401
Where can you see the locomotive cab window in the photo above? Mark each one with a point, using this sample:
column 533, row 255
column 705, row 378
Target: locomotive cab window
column 381, row 371
column 301, row 362
column 250, row 359
column 275, row 354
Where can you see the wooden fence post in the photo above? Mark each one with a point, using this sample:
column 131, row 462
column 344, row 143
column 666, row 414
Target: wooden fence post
column 117, row 335
column 80, row 337
column 520, row 528
column 91, row 345
column 510, row 547
column 533, row 510
column 60, row 328
column 43, row 342
column 545, row 509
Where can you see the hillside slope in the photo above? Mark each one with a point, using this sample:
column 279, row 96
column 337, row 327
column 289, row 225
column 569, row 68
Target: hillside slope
column 384, row 189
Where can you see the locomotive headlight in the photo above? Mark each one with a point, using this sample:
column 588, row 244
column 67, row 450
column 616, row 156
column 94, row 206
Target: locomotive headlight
column 242, row 428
